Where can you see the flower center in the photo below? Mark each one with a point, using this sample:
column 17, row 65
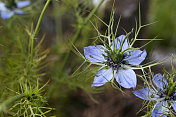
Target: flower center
column 164, row 94
column 11, row 4
column 114, row 59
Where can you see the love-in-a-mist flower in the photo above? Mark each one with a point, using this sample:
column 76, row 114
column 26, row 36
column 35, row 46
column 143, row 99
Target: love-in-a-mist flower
column 116, row 60
column 12, row 7
column 164, row 94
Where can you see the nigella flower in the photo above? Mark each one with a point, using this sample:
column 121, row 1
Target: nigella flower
column 12, row 7
column 117, row 60
column 165, row 95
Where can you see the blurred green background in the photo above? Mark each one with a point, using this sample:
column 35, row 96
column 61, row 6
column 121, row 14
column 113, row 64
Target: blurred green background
column 73, row 96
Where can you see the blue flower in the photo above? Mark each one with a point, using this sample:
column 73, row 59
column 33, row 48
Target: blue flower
column 161, row 95
column 8, row 11
column 117, row 59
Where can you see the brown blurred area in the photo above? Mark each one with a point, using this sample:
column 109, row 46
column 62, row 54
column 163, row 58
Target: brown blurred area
column 114, row 104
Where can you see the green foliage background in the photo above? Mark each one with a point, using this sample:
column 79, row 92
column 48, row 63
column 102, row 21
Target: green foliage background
column 49, row 86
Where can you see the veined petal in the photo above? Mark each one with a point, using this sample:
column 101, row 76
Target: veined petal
column 160, row 109
column 95, row 53
column 118, row 43
column 126, row 78
column 6, row 14
column 159, row 81
column 136, row 57
column 103, row 76
column 19, row 12
column 21, row 4
column 173, row 103
column 2, row 7
column 145, row 94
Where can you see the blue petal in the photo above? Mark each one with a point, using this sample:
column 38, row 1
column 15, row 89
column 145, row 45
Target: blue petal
column 19, row 12
column 6, row 14
column 173, row 103
column 2, row 7
column 126, row 78
column 118, row 43
column 95, row 53
column 103, row 76
column 21, row 4
column 145, row 93
column 159, row 81
column 136, row 57
column 160, row 109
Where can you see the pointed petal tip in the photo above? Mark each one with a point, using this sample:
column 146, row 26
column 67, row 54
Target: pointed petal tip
column 97, row 85
column 160, row 109
column 121, row 36
column 159, row 81
column 102, row 77
column 95, row 53
column 21, row 4
column 6, row 15
column 136, row 57
column 145, row 94
column 126, row 78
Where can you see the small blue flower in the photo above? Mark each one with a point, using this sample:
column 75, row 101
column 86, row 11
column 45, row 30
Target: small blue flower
column 161, row 95
column 117, row 60
column 8, row 11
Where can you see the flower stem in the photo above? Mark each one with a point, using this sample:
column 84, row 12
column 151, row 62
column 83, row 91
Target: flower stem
column 37, row 29
column 172, row 89
column 76, row 36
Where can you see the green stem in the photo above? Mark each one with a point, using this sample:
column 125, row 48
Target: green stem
column 37, row 28
column 76, row 36
column 8, row 102
column 172, row 89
